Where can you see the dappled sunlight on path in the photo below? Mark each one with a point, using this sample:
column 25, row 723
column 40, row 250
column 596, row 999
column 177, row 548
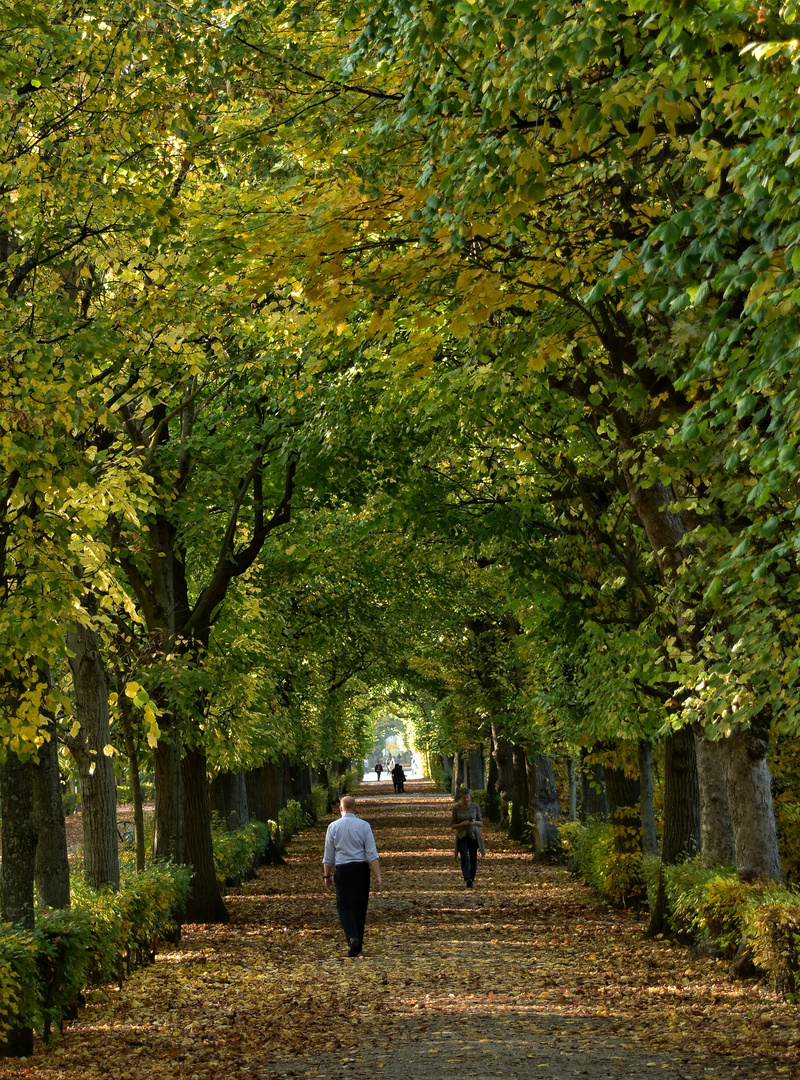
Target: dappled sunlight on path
column 525, row 975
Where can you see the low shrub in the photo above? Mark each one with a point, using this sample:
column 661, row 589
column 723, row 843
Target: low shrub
column 321, row 800
column 589, row 848
column 291, row 819
column 707, row 904
column 97, row 940
column 772, row 928
column 20, row 998
column 235, row 853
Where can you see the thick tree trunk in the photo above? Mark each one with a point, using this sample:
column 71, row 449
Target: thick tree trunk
column 543, row 804
column 594, row 798
column 519, row 801
column 459, row 772
column 169, row 841
column 476, row 770
column 51, row 868
column 716, row 832
column 503, row 756
column 19, row 841
column 681, row 814
column 255, row 795
column 646, row 805
column 744, row 758
column 17, row 869
column 227, row 796
column 95, row 770
column 623, row 799
column 681, row 838
column 301, row 785
column 205, row 903
column 272, row 788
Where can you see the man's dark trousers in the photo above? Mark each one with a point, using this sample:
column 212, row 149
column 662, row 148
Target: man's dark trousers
column 352, row 898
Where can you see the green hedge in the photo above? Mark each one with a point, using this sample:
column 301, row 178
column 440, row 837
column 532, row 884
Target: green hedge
column 235, row 853
column 98, row 940
column 706, row 905
column 617, row 878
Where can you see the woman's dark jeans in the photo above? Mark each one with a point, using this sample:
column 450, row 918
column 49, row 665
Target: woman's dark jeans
column 468, row 852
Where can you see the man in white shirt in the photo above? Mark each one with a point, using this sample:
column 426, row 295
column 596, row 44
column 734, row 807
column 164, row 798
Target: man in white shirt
column 350, row 847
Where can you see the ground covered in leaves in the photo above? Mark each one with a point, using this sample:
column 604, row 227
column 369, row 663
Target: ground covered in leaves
column 523, row 976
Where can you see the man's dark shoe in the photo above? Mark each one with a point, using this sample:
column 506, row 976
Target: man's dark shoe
column 469, row 884
column 355, row 947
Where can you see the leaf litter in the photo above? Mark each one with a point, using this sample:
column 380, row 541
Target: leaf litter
column 524, row 975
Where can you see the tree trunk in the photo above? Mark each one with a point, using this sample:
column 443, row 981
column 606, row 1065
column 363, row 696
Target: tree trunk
column 716, row 832
column 749, row 783
column 169, row 834
column 503, row 755
column 623, row 799
column 19, row 841
column 51, row 869
column 205, row 903
column 459, row 772
column 17, row 869
column 228, row 799
column 543, row 804
column 95, row 769
column 476, row 770
column 681, row 814
column 519, row 800
column 647, row 808
column 272, row 788
column 594, row 798
column 132, row 751
column 492, row 796
column 255, row 795
column 572, row 771
column 301, row 785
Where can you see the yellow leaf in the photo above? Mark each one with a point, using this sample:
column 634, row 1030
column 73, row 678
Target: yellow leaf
column 646, row 137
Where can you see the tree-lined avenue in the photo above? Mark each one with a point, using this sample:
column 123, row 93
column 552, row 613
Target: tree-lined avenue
column 525, row 975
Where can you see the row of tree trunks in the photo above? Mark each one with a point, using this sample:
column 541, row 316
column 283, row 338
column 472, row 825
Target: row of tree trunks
column 743, row 751
column 228, row 798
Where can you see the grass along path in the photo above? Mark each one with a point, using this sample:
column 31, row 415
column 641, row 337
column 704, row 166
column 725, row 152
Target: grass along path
column 524, row 976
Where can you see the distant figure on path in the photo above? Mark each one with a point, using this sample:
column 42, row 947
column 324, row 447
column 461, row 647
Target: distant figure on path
column 398, row 778
column 378, row 769
column 466, row 822
column 350, row 848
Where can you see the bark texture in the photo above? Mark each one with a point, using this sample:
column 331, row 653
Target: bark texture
column 681, row 838
column 716, row 831
column 98, row 784
column 503, row 755
column 205, row 904
column 519, row 802
column 543, row 804
column 19, row 841
column 750, row 800
column 594, row 798
column 51, row 868
column 646, row 806
column 623, row 799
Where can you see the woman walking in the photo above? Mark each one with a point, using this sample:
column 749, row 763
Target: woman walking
column 466, row 822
